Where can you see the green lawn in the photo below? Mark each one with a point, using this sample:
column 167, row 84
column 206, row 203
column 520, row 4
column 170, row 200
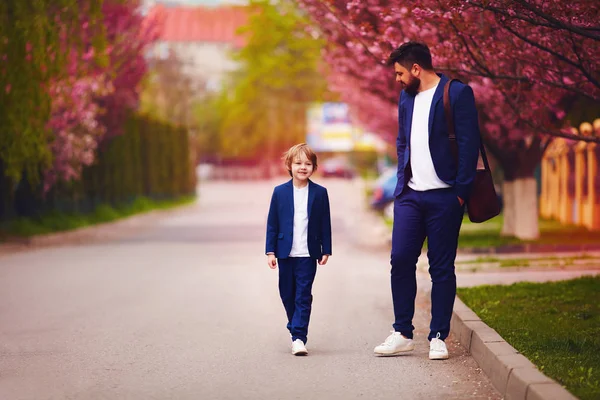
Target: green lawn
column 555, row 325
column 487, row 234
column 55, row 222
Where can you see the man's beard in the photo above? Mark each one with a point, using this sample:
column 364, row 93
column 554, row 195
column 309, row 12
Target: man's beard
column 412, row 88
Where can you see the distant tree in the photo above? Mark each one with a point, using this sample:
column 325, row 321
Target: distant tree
column 169, row 93
column 264, row 106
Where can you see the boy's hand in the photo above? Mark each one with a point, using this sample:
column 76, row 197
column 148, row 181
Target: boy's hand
column 324, row 259
column 271, row 261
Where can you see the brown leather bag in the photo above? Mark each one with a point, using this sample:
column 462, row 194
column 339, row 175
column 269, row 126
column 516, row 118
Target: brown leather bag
column 483, row 202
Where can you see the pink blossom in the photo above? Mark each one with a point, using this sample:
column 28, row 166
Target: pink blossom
column 90, row 103
column 518, row 86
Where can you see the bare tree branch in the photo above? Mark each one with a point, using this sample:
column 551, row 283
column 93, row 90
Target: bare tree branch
column 553, row 23
column 581, row 138
column 564, row 86
column 549, row 132
column 351, row 32
column 555, row 54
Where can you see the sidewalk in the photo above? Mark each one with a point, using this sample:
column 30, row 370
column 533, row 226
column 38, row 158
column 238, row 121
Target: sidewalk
column 512, row 374
column 179, row 308
column 535, row 248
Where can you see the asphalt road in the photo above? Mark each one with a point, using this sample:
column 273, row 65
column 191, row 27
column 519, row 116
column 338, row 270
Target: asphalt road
column 183, row 306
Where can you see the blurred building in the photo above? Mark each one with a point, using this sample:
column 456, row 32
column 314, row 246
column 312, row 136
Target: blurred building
column 147, row 4
column 570, row 187
column 201, row 37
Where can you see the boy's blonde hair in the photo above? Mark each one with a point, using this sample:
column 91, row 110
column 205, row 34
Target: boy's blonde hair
column 294, row 153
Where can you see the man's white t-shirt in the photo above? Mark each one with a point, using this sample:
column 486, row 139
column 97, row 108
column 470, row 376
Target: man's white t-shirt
column 424, row 176
column 300, row 237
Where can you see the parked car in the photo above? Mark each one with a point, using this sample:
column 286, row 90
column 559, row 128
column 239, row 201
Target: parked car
column 383, row 192
column 336, row 167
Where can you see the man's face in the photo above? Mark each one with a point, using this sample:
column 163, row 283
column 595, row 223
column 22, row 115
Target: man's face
column 409, row 80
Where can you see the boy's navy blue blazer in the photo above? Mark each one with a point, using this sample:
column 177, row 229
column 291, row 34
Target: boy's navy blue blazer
column 466, row 125
column 280, row 222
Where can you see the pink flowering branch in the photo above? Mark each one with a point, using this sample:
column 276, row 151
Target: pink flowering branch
column 91, row 101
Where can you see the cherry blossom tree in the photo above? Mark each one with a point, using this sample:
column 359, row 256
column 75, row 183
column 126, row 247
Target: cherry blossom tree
column 527, row 62
column 70, row 72
column 34, row 41
column 92, row 101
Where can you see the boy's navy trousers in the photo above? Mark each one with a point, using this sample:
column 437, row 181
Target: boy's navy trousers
column 296, row 276
column 437, row 215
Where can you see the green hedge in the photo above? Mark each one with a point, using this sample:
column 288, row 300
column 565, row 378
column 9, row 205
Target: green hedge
column 150, row 159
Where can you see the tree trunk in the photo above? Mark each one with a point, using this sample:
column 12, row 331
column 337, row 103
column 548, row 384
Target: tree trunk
column 521, row 208
column 519, row 190
column 508, row 208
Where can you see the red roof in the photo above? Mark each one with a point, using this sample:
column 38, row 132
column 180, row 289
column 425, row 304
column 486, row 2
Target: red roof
column 200, row 24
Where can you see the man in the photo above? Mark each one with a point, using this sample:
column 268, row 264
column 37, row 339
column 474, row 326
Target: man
column 430, row 195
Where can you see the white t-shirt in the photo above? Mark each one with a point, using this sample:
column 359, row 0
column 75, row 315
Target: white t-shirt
column 424, row 176
column 300, row 237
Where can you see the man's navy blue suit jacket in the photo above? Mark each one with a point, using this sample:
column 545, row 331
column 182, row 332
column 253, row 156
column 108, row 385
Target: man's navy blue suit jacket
column 466, row 126
column 280, row 222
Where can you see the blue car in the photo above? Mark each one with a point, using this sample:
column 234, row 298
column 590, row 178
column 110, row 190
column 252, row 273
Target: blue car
column 383, row 192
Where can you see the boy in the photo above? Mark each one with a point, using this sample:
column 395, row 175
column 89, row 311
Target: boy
column 298, row 235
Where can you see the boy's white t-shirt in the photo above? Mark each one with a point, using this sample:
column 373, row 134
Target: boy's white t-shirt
column 424, row 176
column 300, row 236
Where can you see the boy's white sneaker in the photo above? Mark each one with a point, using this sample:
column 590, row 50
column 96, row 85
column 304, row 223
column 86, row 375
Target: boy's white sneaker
column 438, row 349
column 395, row 344
column 298, row 348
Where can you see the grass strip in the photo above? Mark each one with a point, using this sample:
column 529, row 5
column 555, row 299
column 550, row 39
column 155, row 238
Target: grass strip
column 487, row 234
column 556, row 325
column 57, row 222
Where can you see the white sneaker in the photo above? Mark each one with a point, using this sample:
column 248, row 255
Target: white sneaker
column 438, row 349
column 298, row 348
column 394, row 345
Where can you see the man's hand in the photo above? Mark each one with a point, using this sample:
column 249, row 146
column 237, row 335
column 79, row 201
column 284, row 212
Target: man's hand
column 271, row 261
column 461, row 201
column 324, row 259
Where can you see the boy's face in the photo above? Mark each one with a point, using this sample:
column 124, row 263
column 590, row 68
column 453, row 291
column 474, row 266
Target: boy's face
column 302, row 168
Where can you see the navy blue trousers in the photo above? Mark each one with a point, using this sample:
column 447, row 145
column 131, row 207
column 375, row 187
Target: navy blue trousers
column 437, row 215
column 296, row 277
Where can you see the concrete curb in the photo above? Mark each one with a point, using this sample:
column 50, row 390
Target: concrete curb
column 512, row 374
column 531, row 248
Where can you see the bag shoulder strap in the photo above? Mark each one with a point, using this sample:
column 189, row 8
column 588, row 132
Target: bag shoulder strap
column 448, row 110
column 452, row 133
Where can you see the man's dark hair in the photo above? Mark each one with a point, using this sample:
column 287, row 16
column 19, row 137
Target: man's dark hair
column 411, row 53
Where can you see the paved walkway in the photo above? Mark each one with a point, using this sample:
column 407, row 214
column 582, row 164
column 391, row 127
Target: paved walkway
column 181, row 305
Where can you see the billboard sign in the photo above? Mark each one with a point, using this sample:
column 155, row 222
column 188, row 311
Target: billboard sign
column 329, row 127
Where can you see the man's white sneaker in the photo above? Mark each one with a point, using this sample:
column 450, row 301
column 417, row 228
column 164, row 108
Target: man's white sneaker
column 298, row 348
column 437, row 349
column 395, row 344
